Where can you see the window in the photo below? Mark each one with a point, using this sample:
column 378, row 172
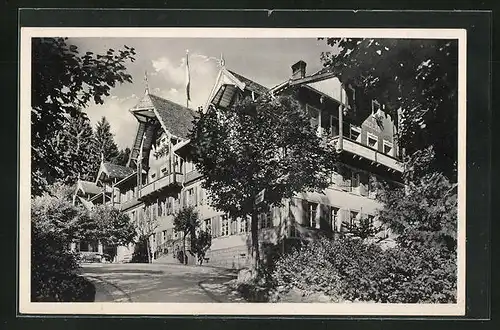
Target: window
column 354, row 179
column 312, row 209
column 334, row 218
column 371, row 218
column 189, row 167
column 265, row 220
column 375, row 107
column 243, row 225
column 163, row 171
column 372, row 141
column 355, row 133
column 153, row 176
column 207, row 225
column 313, row 115
column 353, row 218
column 225, row 225
column 160, row 208
column 190, row 197
column 168, row 206
column 163, row 236
column 388, row 148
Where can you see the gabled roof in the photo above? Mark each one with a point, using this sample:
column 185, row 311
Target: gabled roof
column 88, row 187
column 116, row 171
column 250, row 84
column 176, row 118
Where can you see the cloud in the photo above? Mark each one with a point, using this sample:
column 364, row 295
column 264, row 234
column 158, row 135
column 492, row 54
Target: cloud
column 116, row 111
column 172, row 78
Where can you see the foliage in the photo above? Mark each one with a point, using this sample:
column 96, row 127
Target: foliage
column 420, row 77
column 201, row 244
column 351, row 270
column 53, row 212
column 186, row 220
column 114, row 228
column 122, row 157
column 53, row 225
column 425, row 213
column 104, row 142
column 263, row 144
column 364, row 228
column 74, row 146
column 63, row 82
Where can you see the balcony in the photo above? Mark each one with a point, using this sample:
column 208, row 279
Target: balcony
column 129, row 204
column 366, row 152
column 168, row 184
column 192, row 175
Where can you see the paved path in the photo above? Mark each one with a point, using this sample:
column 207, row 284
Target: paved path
column 159, row 283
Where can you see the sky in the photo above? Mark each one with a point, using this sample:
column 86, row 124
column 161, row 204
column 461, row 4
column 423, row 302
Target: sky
column 264, row 60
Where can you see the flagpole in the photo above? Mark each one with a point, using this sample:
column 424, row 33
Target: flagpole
column 188, row 80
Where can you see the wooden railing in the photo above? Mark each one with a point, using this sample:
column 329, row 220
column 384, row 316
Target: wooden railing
column 369, row 153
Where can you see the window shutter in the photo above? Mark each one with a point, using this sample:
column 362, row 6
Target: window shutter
column 200, row 191
column 184, row 199
column 216, row 228
column 195, row 196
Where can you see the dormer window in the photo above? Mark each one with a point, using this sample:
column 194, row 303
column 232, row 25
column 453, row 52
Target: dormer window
column 355, row 133
column 375, row 107
column 372, row 141
column 388, row 148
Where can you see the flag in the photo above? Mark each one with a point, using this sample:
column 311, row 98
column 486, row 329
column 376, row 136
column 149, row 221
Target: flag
column 188, row 78
column 260, row 197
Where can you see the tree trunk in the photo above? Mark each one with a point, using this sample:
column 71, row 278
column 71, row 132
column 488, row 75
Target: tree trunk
column 148, row 252
column 255, row 241
column 184, row 259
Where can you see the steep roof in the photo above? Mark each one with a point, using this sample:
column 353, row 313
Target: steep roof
column 176, row 118
column 117, row 171
column 88, row 187
column 250, row 84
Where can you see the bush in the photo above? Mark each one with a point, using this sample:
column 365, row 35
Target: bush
column 348, row 269
column 53, row 277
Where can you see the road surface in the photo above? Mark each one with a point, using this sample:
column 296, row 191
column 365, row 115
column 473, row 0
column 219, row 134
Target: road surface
column 159, row 283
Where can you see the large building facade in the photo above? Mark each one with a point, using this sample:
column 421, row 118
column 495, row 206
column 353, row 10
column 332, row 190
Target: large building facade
column 363, row 134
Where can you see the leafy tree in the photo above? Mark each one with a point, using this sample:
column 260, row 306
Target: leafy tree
column 145, row 226
column 112, row 227
column 201, row 244
column 63, row 82
column 186, row 220
column 267, row 144
column 424, row 214
column 420, row 77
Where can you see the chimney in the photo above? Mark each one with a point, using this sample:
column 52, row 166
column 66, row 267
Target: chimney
column 299, row 70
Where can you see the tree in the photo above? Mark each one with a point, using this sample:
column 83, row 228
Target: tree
column 186, row 220
column 201, row 244
column 104, row 141
column 267, row 144
column 145, row 226
column 63, row 82
column 112, row 227
column 425, row 214
column 419, row 77
column 122, row 157
column 77, row 147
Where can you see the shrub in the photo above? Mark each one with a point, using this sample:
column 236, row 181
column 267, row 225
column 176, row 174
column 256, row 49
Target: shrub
column 348, row 269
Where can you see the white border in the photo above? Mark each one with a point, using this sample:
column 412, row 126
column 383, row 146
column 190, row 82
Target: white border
column 282, row 309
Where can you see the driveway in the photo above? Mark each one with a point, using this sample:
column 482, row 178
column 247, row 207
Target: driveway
column 159, row 283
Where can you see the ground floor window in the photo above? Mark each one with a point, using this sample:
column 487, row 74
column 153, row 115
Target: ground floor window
column 334, row 213
column 84, row 246
column 265, row 220
column 312, row 215
column 225, row 225
column 243, row 225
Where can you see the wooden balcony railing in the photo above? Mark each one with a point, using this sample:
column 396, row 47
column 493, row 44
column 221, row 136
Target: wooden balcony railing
column 373, row 155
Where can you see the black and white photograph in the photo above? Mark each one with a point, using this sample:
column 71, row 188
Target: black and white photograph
column 198, row 171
